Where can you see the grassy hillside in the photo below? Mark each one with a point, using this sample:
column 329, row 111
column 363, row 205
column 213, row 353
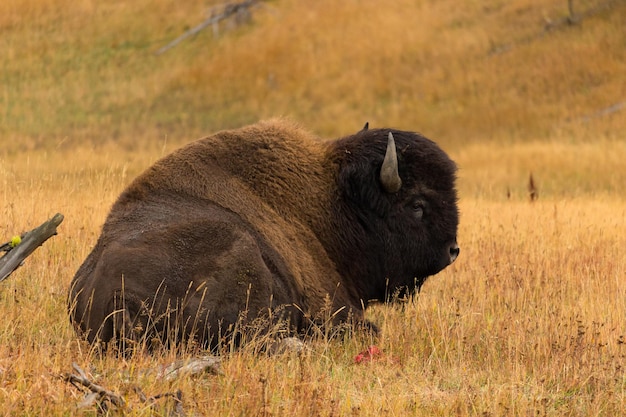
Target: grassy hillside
column 461, row 73
column 530, row 318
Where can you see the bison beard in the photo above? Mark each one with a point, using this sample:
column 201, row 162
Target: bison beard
column 267, row 223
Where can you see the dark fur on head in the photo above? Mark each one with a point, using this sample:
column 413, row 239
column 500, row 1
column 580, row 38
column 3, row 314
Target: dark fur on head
column 407, row 249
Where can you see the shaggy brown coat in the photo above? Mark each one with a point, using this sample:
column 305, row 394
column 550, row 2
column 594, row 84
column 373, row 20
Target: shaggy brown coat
column 260, row 220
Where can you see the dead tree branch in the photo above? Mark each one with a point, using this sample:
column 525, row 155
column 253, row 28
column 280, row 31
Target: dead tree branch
column 572, row 18
column 16, row 253
column 100, row 393
column 570, row 8
column 614, row 108
column 228, row 11
column 100, row 396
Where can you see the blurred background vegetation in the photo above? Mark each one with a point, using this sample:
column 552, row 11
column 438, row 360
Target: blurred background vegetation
column 480, row 78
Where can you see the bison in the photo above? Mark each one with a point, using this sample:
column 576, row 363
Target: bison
column 267, row 221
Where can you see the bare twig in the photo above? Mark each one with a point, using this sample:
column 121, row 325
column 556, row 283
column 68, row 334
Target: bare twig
column 176, row 396
column 29, row 242
column 100, row 396
column 98, row 393
column 178, row 402
column 229, row 10
column 178, row 408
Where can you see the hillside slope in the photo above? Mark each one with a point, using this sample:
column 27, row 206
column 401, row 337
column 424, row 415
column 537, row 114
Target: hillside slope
column 458, row 72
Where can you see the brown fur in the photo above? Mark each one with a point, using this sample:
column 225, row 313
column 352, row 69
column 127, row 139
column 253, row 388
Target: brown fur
column 236, row 223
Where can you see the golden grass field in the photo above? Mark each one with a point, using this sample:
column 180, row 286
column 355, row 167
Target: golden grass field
column 530, row 320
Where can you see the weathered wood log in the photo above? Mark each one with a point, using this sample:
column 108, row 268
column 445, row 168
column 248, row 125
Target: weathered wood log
column 229, row 10
column 193, row 366
column 30, row 241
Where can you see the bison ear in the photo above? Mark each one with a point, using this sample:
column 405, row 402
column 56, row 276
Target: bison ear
column 389, row 177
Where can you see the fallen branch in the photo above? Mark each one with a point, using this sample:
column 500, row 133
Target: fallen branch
column 17, row 250
column 551, row 26
column 614, row 108
column 98, row 395
column 229, row 10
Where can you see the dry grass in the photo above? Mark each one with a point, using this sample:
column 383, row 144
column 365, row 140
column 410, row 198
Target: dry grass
column 529, row 320
column 85, row 71
column 564, row 169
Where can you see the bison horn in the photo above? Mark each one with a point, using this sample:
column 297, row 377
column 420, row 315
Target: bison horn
column 389, row 176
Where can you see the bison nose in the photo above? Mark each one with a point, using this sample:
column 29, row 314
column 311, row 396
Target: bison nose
column 454, row 251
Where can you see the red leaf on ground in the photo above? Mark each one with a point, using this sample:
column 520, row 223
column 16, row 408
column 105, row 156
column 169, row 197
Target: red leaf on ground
column 371, row 353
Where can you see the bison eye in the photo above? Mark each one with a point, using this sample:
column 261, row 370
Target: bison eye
column 418, row 209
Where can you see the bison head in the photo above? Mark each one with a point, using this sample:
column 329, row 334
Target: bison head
column 399, row 187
